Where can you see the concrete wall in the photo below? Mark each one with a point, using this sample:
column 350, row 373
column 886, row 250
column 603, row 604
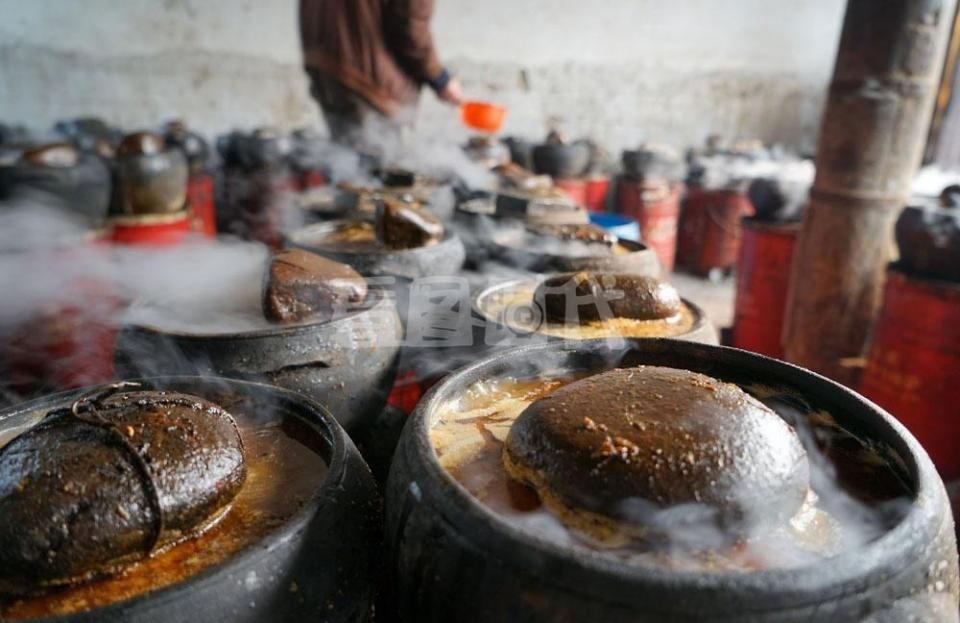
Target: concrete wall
column 618, row 70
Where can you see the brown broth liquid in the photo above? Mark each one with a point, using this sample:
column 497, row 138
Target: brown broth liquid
column 468, row 436
column 283, row 472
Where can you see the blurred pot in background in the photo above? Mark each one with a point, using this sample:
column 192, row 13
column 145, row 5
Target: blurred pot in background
column 61, row 176
column 561, row 159
column 929, row 241
column 150, row 192
column 91, row 134
column 151, row 179
column 257, row 194
column 200, row 187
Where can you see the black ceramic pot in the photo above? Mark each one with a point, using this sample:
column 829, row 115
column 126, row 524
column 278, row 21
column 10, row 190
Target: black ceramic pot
column 702, row 330
column 149, row 178
column 320, row 564
column 441, row 259
column 521, row 151
column 453, row 559
column 82, row 188
column 262, row 147
column 561, row 160
column 347, row 364
column 639, row 259
column 929, row 242
column 256, row 199
column 651, row 165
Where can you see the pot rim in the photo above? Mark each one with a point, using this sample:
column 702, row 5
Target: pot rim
column 313, row 414
column 383, row 302
column 633, row 246
column 877, row 562
column 699, row 323
column 328, row 227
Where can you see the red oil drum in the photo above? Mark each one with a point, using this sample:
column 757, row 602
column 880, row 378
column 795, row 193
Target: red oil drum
column 656, row 206
column 69, row 338
column 709, row 236
column 595, row 193
column 65, row 347
column 154, row 230
column 406, row 392
column 200, row 203
column 575, row 188
column 763, row 279
column 914, row 360
column 305, row 180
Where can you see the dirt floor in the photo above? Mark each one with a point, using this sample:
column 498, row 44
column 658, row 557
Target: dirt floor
column 715, row 297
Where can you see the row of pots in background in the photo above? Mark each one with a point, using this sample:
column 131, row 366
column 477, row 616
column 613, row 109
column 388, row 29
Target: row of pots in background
column 146, row 186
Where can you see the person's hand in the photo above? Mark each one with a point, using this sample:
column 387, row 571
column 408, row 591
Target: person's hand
column 452, row 93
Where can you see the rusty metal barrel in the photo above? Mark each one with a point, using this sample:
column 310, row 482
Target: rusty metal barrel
column 656, row 206
column 709, row 236
column 763, row 281
column 913, row 362
column 200, row 202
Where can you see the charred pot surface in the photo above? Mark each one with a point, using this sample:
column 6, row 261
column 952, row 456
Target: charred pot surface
column 664, row 436
column 314, row 559
column 583, row 297
column 300, row 286
column 454, row 559
column 109, row 480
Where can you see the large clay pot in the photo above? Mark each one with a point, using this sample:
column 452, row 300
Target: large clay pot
column 452, row 558
column 149, row 177
column 320, row 563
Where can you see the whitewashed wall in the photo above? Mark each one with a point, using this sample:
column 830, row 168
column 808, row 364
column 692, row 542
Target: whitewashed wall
column 618, row 70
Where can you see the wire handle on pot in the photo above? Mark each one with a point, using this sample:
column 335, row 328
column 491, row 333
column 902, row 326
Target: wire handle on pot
column 86, row 409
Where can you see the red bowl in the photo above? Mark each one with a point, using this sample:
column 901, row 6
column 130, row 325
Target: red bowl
column 483, row 116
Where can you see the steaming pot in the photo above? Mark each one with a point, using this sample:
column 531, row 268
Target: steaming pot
column 454, row 559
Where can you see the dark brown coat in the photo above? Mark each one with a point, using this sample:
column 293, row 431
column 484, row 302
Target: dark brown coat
column 380, row 49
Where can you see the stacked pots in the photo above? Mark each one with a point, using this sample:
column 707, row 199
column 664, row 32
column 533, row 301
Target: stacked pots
column 150, row 193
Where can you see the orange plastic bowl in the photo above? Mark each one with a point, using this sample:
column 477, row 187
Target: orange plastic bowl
column 483, row 116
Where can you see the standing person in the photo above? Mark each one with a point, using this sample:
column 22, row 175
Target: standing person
column 367, row 60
